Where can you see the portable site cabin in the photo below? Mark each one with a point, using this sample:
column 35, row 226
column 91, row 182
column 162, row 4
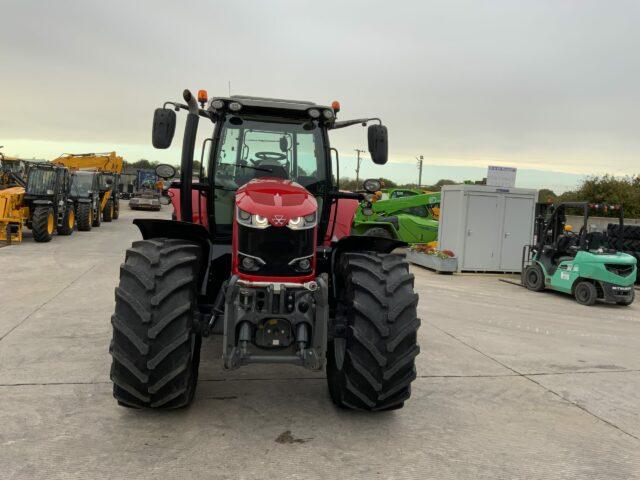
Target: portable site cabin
column 486, row 227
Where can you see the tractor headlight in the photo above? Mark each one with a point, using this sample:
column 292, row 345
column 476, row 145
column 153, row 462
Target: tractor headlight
column 372, row 185
column 259, row 221
column 217, row 104
column 235, row 106
column 301, row 223
column 314, row 113
column 328, row 114
column 253, row 221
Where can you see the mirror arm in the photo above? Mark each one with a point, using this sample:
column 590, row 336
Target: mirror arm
column 348, row 123
column 181, row 106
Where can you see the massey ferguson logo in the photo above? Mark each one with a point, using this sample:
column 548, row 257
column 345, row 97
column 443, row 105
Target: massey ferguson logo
column 278, row 220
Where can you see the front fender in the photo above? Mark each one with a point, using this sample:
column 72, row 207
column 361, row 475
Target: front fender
column 193, row 232
column 361, row 228
column 359, row 243
column 156, row 228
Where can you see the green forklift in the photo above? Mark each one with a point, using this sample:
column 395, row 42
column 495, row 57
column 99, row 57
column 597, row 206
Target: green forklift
column 586, row 264
column 410, row 218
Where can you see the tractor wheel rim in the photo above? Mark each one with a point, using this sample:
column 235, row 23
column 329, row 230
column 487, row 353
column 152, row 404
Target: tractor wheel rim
column 533, row 277
column 50, row 223
column 72, row 219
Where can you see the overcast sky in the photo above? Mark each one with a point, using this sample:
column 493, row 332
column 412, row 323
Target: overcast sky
column 544, row 85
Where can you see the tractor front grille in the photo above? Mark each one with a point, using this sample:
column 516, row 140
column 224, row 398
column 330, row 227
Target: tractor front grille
column 620, row 270
column 277, row 249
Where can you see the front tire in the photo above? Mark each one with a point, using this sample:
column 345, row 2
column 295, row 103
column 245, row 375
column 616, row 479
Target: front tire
column 155, row 349
column 116, row 209
column 107, row 213
column 43, row 223
column 533, row 278
column 68, row 222
column 85, row 217
column 372, row 365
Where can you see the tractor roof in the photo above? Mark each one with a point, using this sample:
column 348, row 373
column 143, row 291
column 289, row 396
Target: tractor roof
column 271, row 103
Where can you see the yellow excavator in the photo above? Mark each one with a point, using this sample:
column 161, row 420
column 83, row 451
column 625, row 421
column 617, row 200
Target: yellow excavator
column 109, row 165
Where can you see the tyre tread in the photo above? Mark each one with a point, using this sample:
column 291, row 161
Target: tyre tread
column 380, row 308
column 155, row 348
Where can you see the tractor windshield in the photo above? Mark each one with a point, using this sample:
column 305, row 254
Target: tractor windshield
column 252, row 149
column 81, row 184
column 41, row 181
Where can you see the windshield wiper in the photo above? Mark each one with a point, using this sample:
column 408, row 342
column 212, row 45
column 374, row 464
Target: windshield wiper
column 262, row 169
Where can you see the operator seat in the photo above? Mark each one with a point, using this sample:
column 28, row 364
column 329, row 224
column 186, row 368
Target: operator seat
column 565, row 248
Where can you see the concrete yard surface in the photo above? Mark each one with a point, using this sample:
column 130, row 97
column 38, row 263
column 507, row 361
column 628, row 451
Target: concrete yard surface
column 511, row 385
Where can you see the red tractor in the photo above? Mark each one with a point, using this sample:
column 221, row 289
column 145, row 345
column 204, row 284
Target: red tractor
column 260, row 254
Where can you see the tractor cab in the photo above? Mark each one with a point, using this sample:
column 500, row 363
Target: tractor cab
column 87, row 189
column 85, row 183
column 47, row 198
column 47, row 183
column 584, row 263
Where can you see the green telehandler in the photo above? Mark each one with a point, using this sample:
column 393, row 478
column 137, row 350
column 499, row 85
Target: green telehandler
column 587, row 265
column 412, row 219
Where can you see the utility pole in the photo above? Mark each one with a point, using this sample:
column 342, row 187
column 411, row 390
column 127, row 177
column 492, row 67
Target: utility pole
column 358, row 167
column 420, row 159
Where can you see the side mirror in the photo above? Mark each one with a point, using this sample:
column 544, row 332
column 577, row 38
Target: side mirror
column 165, row 171
column 164, row 126
column 378, row 144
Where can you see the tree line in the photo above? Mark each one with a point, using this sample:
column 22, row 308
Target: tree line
column 604, row 189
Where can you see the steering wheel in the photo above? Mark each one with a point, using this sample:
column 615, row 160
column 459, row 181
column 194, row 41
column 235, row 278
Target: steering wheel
column 270, row 156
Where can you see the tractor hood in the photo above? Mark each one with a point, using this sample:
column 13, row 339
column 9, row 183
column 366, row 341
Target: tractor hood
column 277, row 200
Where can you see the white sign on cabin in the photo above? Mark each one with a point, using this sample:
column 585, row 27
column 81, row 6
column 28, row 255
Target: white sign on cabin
column 501, row 176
